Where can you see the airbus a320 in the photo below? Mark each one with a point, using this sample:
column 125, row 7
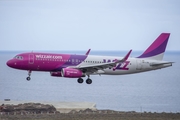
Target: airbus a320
column 79, row 66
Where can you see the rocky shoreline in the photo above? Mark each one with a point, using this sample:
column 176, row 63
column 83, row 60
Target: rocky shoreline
column 38, row 111
column 27, row 107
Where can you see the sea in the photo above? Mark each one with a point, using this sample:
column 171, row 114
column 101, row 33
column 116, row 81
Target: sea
column 153, row 91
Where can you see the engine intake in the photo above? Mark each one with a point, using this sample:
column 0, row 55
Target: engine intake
column 72, row 73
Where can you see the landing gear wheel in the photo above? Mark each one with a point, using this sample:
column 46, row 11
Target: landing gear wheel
column 88, row 81
column 80, row 80
column 28, row 78
column 29, row 74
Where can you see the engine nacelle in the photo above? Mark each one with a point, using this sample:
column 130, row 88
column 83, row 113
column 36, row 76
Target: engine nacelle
column 72, row 73
column 56, row 74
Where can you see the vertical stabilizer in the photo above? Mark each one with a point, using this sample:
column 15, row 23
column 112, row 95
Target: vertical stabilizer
column 157, row 48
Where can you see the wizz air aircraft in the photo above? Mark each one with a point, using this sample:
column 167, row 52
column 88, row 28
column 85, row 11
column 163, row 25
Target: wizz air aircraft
column 78, row 66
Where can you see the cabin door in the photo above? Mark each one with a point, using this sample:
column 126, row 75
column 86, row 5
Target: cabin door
column 31, row 59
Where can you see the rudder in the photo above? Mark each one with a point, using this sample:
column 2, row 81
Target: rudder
column 157, row 48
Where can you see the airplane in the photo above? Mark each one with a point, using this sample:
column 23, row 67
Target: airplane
column 78, row 66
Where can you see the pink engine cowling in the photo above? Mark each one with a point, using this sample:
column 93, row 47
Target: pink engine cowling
column 56, row 74
column 72, row 73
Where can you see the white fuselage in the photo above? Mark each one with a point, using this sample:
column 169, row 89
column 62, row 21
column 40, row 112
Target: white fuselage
column 132, row 65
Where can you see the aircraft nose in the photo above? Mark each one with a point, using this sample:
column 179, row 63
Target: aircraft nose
column 10, row 63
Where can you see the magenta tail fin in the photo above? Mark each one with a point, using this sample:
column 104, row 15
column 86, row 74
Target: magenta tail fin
column 157, row 48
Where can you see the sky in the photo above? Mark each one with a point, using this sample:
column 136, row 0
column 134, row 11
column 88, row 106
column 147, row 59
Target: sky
column 55, row 25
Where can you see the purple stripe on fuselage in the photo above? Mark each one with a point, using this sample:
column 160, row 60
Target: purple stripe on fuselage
column 74, row 61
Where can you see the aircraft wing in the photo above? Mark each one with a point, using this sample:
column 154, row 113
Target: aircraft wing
column 95, row 67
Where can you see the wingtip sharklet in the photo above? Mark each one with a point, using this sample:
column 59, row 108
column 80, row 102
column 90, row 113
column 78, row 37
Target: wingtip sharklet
column 123, row 60
column 127, row 56
column 87, row 53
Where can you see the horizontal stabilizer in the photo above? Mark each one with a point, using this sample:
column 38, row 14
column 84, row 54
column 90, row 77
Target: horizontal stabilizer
column 157, row 64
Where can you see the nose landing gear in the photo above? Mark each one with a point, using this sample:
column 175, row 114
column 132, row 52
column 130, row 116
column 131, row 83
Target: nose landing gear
column 29, row 74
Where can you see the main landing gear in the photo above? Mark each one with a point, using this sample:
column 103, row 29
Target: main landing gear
column 29, row 74
column 88, row 81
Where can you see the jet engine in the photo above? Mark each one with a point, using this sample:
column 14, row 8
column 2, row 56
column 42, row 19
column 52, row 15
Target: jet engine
column 72, row 73
column 56, row 74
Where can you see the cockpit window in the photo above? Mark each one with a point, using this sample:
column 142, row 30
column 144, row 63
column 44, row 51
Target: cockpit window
column 18, row 57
